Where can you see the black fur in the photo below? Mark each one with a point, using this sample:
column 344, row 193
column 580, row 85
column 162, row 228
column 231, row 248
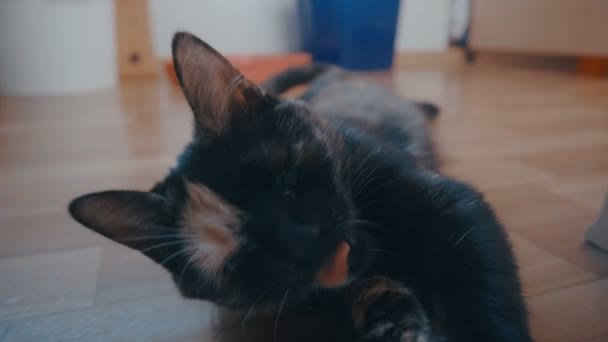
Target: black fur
column 354, row 163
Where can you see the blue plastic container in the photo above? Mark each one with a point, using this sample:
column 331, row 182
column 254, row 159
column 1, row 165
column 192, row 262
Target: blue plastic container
column 355, row 34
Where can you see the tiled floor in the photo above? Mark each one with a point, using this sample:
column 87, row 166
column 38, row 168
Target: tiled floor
column 536, row 142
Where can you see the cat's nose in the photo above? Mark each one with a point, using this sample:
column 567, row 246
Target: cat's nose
column 296, row 239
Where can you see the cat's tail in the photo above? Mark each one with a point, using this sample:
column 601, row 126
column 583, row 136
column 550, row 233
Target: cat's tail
column 295, row 76
column 292, row 77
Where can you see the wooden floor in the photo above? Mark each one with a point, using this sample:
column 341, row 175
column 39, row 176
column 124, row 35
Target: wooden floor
column 536, row 142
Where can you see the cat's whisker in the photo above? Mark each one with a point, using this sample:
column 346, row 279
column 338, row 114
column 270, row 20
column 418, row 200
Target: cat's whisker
column 380, row 164
column 173, row 256
column 374, row 190
column 370, row 203
column 276, row 321
column 463, row 236
column 250, row 311
column 359, row 168
column 170, row 243
column 384, row 185
column 381, row 186
column 154, row 237
column 370, row 177
column 166, row 229
column 190, row 260
column 356, row 181
column 362, row 187
column 354, row 172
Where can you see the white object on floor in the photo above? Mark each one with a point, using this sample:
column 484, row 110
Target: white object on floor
column 53, row 47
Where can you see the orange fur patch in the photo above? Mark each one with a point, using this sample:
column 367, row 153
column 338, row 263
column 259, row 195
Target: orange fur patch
column 210, row 225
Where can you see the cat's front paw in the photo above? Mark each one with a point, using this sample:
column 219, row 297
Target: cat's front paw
column 385, row 311
column 395, row 332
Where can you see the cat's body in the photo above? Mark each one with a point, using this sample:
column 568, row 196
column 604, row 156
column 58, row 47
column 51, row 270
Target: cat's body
column 357, row 106
column 269, row 189
column 437, row 234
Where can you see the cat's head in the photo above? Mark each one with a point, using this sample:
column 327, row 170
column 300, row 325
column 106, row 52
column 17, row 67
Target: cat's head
column 255, row 205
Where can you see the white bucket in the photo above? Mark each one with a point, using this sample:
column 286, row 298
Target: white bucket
column 53, row 47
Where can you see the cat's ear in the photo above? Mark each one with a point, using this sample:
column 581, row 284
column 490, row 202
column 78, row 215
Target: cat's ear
column 132, row 218
column 214, row 88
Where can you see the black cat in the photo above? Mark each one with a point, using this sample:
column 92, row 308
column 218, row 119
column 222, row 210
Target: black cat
column 277, row 203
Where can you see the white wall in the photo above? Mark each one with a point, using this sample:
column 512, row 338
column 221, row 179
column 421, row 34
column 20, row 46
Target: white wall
column 271, row 26
column 56, row 47
column 231, row 26
column 423, row 25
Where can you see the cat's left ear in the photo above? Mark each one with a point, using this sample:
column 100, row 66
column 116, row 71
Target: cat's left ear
column 214, row 88
column 135, row 219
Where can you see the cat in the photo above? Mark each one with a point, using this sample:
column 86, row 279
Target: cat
column 335, row 195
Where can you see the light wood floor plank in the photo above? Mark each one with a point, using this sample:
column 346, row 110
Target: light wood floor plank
column 46, row 283
column 577, row 313
column 543, row 272
column 535, row 142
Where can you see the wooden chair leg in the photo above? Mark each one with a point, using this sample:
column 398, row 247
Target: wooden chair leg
column 135, row 54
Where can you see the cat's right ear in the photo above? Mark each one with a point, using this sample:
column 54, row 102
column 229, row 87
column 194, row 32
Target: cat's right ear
column 214, row 88
column 135, row 219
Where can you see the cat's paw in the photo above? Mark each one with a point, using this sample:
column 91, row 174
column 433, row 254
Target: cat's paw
column 395, row 332
column 385, row 311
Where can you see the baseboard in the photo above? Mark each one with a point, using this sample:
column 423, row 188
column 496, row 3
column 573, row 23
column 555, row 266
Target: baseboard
column 593, row 66
column 525, row 60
